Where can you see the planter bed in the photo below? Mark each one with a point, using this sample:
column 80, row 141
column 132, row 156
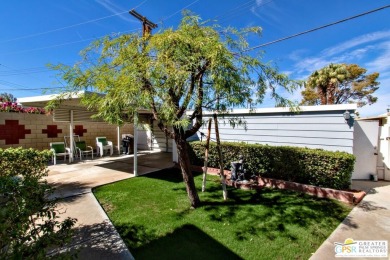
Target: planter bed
column 348, row 196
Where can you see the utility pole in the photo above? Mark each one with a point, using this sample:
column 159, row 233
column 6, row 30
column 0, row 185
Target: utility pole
column 147, row 26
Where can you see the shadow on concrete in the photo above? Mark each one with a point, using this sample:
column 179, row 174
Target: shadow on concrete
column 369, row 206
column 97, row 241
column 150, row 160
column 68, row 189
column 350, row 223
column 185, row 242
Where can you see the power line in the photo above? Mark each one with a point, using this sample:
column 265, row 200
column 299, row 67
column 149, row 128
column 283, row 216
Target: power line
column 170, row 16
column 64, row 44
column 317, row 28
column 240, row 9
column 70, row 26
column 16, row 72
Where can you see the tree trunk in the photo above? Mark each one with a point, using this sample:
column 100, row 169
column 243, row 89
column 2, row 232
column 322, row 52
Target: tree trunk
column 184, row 162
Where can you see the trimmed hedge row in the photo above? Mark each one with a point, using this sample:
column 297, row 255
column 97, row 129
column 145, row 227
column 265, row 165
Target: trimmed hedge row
column 303, row 165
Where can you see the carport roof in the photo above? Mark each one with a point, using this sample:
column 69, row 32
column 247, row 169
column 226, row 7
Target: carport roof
column 72, row 101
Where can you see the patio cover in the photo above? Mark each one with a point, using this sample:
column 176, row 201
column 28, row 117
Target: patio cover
column 71, row 110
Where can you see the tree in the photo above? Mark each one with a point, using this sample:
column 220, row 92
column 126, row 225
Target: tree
column 340, row 84
column 7, row 97
column 194, row 67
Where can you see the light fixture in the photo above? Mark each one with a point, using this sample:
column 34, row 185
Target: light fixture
column 346, row 115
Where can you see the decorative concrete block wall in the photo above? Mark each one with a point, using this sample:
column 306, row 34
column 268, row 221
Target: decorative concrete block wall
column 37, row 130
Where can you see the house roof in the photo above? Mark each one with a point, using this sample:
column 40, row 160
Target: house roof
column 385, row 115
column 338, row 107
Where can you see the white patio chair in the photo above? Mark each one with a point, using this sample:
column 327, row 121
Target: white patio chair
column 102, row 144
column 59, row 149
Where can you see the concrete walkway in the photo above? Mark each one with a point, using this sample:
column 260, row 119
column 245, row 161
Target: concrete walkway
column 95, row 236
column 369, row 220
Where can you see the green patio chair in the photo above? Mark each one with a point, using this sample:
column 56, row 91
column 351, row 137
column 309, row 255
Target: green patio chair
column 59, row 149
column 82, row 148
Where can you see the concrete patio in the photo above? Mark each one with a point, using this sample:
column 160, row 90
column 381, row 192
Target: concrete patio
column 95, row 236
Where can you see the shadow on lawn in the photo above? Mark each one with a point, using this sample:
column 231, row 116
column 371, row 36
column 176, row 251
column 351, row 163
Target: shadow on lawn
column 272, row 213
column 268, row 214
column 185, row 242
column 171, row 174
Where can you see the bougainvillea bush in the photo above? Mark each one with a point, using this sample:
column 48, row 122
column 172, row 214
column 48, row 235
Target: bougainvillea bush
column 8, row 106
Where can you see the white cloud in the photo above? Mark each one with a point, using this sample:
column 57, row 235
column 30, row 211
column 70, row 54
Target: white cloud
column 382, row 62
column 370, row 51
column 363, row 39
column 115, row 9
column 376, row 109
column 272, row 15
column 350, row 51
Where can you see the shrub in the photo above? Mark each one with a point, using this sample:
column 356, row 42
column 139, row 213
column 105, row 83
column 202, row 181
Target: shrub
column 308, row 166
column 8, row 106
column 29, row 222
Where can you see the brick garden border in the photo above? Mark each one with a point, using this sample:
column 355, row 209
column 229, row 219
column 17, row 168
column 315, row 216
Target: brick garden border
column 347, row 196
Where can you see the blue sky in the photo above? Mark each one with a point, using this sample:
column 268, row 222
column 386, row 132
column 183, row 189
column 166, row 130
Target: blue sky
column 35, row 33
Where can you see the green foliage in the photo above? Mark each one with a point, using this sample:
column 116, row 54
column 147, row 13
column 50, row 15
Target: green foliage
column 340, row 84
column 308, row 166
column 195, row 67
column 29, row 222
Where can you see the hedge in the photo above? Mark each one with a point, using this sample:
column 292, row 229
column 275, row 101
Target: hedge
column 30, row 224
column 303, row 165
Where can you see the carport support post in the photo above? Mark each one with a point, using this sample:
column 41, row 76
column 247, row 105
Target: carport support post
column 71, row 139
column 118, row 139
column 135, row 143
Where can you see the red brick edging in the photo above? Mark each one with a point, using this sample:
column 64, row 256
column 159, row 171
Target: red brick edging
column 352, row 197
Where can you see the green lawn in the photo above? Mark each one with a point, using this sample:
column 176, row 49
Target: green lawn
column 153, row 217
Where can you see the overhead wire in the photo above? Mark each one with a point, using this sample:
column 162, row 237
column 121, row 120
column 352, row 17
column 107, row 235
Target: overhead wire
column 170, row 16
column 317, row 28
column 69, row 26
column 240, row 10
column 246, row 50
column 7, row 83
column 64, row 44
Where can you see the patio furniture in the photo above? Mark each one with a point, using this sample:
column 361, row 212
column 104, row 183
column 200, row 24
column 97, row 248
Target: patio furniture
column 102, row 144
column 59, row 149
column 80, row 147
column 127, row 143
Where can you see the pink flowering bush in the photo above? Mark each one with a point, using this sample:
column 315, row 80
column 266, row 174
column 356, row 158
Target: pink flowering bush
column 8, row 106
